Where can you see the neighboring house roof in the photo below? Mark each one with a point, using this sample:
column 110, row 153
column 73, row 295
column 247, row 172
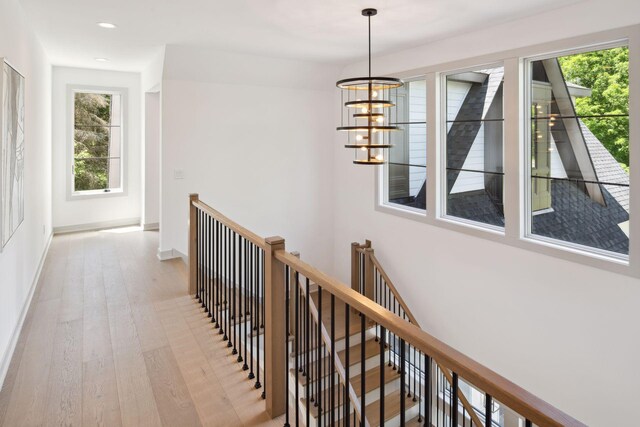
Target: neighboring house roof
column 607, row 168
column 574, row 216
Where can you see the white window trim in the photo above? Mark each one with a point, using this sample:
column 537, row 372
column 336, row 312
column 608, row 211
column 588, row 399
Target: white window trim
column 89, row 194
column 442, row 141
column 526, row 166
column 383, row 177
column 515, row 155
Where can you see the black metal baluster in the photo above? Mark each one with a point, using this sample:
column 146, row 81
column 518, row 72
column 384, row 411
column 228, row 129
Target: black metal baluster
column 296, row 344
column 382, row 383
column 234, row 296
column 528, row 423
column 306, row 353
column 286, row 341
column 427, row 390
column 455, row 400
column 419, row 389
column 347, row 409
column 438, row 395
column 212, row 306
column 319, row 357
column 240, row 295
column 198, row 253
column 225, row 279
column 332, row 369
column 252, row 308
column 217, row 281
column 262, row 316
column 258, row 311
column 488, row 404
column 245, row 297
column 208, row 263
column 363, row 388
column 402, row 381
column 205, row 242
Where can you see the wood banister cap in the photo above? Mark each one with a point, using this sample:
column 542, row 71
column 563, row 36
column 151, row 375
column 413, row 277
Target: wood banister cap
column 274, row 241
column 193, row 196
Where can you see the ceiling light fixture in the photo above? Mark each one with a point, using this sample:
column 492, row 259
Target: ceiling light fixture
column 102, row 60
column 371, row 123
column 107, row 25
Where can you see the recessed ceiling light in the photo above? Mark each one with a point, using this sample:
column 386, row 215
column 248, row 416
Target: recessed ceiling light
column 107, row 25
column 102, row 60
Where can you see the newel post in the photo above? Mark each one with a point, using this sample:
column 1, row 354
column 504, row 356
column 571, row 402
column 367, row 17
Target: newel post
column 368, row 273
column 355, row 267
column 292, row 297
column 193, row 244
column 275, row 329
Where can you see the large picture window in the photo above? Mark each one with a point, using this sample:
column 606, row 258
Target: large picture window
column 97, row 142
column 405, row 173
column 579, row 149
column 474, row 146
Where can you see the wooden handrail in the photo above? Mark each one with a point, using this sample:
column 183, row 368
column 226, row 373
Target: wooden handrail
column 247, row 234
column 500, row 388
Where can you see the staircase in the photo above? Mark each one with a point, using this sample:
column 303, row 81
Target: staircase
column 361, row 362
column 328, row 354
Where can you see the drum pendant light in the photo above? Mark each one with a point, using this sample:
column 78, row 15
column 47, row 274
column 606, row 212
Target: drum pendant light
column 367, row 103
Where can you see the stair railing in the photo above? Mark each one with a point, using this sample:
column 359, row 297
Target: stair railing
column 226, row 276
column 370, row 279
column 235, row 273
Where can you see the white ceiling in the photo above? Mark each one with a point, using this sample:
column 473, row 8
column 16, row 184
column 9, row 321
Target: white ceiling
column 318, row 30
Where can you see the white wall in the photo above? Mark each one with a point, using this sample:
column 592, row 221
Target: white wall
column 112, row 209
column 564, row 331
column 151, row 181
column 253, row 136
column 21, row 257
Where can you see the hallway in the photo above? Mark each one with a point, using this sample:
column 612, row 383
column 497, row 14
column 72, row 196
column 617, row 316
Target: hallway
column 111, row 338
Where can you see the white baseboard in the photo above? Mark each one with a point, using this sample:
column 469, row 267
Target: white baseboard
column 96, row 226
column 151, row 227
column 171, row 254
column 6, row 360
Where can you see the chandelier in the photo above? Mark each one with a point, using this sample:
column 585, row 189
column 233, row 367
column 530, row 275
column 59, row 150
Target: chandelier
column 367, row 103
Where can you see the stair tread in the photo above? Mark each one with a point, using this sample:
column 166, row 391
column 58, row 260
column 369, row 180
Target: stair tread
column 372, row 378
column 415, row 422
column 372, row 383
column 371, row 349
column 391, row 408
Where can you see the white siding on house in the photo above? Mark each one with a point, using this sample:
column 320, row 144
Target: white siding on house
column 557, row 168
column 467, row 181
column 417, row 134
column 470, row 181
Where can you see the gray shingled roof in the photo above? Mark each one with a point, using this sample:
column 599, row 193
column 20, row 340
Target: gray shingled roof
column 607, row 168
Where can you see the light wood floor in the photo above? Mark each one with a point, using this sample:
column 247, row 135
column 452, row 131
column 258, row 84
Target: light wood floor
column 112, row 338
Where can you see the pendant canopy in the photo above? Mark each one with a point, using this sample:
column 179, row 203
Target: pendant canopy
column 367, row 104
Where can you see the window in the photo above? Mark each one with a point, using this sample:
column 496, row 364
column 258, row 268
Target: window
column 405, row 173
column 474, row 146
column 97, row 142
column 579, row 144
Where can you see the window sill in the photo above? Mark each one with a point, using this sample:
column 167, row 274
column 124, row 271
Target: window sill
column 96, row 194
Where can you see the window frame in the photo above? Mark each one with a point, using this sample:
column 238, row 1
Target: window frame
column 383, row 178
column 442, row 141
column 526, row 166
column 71, row 193
column 515, row 155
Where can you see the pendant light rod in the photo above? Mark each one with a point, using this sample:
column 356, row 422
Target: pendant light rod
column 369, row 12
